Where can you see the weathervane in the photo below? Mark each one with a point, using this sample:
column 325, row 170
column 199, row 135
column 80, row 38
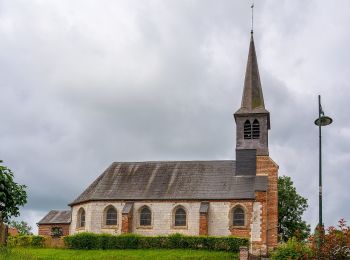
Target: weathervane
column 252, row 7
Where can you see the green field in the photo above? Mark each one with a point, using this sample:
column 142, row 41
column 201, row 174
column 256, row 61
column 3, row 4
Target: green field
column 48, row 253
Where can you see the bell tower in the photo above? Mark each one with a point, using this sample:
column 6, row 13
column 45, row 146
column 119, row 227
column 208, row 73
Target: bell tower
column 252, row 119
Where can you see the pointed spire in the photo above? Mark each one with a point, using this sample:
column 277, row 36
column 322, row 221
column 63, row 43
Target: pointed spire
column 252, row 99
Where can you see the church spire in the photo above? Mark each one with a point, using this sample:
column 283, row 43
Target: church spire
column 252, row 99
column 252, row 119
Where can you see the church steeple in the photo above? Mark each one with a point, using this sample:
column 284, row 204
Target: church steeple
column 252, row 119
column 252, row 99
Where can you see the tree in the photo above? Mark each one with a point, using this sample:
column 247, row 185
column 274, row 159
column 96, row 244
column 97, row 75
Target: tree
column 291, row 207
column 22, row 227
column 12, row 195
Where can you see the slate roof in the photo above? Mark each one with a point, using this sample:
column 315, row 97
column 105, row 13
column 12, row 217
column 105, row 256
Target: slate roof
column 172, row 180
column 252, row 99
column 56, row 217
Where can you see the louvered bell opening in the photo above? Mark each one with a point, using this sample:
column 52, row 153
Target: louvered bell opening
column 247, row 130
column 256, row 129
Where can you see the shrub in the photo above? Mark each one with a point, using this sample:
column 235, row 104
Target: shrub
column 11, row 241
column 83, row 241
column 23, row 241
column 106, row 241
column 37, row 241
column 292, row 249
column 335, row 242
column 26, row 241
column 129, row 241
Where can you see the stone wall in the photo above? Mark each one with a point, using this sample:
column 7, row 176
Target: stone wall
column 219, row 220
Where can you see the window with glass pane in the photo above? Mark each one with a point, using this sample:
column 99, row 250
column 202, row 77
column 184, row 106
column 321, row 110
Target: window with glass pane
column 111, row 216
column 82, row 218
column 180, row 217
column 145, row 217
column 238, row 217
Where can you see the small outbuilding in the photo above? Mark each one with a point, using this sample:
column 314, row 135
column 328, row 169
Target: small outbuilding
column 56, row 223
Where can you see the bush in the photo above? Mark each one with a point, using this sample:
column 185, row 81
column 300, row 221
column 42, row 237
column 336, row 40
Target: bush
column 335, row 242
column 292, row 249
column 26, row 241
column 131, row 241
column 37, row 241
column 83, row 241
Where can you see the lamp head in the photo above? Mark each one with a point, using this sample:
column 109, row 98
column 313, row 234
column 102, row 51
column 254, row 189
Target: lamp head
column 323, row 121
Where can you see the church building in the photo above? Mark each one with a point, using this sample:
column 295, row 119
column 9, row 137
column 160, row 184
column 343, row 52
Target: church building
column 216, row 198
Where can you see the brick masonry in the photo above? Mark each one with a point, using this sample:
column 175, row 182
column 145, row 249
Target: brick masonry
column 203, row 224
column 45, row 229
column 126, row 223
column 261, row 215
column 266, row 166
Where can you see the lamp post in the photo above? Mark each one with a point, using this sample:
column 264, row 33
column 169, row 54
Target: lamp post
column 322, row 120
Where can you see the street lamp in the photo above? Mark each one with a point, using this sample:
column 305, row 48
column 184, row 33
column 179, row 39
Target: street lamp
column 322, row 120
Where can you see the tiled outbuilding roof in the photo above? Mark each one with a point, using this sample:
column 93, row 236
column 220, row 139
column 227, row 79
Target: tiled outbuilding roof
column 56, row 217
column 172, row 180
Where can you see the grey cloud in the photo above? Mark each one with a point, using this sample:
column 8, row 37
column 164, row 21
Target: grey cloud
column 85, row 85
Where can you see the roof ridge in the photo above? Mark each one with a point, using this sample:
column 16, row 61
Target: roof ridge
column 168, row 161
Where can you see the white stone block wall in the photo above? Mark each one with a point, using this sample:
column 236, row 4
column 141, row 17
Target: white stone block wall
column 256, row 222
column 219, row 222
column 162, row 218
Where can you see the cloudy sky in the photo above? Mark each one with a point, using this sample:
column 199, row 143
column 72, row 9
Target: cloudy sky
column 85, row 83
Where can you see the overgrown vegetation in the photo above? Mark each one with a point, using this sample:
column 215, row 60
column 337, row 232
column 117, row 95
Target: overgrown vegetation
column 133, row 241
column 22, row 227
column 26, row 241
column 292, row 249
column 335, row 242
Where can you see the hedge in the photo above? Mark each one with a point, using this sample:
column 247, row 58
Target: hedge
column 26, row 241
column 132, row 241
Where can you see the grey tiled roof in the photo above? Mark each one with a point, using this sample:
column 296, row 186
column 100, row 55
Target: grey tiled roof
column 57, row 217
column 172, row 180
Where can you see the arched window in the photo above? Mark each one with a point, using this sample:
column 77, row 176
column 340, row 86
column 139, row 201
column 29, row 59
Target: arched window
column 180, row 217
column 256, row 129
column 111, row 216
column 145, row 216
column 238, row 216
column 81, row 218
column 247, row 130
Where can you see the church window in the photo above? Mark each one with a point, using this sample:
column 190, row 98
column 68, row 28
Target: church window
column 238, row 216
column 256, row 129
column 180, row 217
column 247, row 130
column 145, row 216
column 111, row 216
column 81, row 218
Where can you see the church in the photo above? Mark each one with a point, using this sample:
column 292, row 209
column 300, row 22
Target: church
column 216, row 198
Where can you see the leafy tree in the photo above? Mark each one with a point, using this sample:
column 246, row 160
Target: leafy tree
column 12, row 195
column 22, row 227
column 291, row 207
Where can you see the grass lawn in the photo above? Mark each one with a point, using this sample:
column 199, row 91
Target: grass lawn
column 48, row 253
